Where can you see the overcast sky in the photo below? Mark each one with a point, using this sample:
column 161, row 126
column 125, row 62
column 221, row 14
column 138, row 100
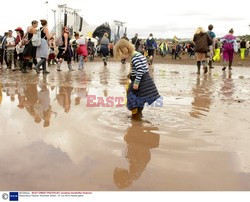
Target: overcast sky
column 161, row 17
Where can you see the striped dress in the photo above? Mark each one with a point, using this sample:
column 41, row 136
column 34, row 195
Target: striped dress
column 147, row 91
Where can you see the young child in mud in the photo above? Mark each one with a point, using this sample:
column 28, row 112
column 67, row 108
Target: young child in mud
column 142, row 88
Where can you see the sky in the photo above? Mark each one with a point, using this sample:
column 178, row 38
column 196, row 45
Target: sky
column 161, row 17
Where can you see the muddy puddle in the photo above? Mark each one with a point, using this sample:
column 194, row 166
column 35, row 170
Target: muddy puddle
column 198, row 139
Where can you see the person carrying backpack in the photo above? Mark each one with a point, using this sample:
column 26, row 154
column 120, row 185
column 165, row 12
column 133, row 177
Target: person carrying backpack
column 42, row 50
column 211, row 47
column 29, row 51
column 228, row 45
column 151, row 45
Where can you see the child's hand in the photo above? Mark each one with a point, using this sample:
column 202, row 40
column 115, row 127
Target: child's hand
column 135, row 86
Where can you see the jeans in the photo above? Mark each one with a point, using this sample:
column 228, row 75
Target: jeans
column 81, row 62
column 42, row 63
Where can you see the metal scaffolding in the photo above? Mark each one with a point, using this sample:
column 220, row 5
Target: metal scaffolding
column 72, row 18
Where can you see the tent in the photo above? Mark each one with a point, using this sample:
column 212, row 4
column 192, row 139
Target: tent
column 100, row 30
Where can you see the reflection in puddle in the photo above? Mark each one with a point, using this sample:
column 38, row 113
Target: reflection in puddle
column 227, row 87
column 202, row 96
column 139, row 140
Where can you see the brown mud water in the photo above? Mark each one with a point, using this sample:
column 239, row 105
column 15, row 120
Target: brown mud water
column 198, row 140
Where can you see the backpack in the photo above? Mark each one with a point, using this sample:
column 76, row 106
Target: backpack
column 36, row 38
column 59, row 41
column 211, row 34
column 151, row 44
column 227, row 45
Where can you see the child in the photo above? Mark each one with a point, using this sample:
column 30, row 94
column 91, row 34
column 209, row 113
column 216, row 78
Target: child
column 142, row 88
column 52, row 56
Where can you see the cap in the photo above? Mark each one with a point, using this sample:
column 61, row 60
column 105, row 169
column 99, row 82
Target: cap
column 18, row 29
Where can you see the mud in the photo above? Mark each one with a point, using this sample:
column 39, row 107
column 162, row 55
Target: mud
column 198, row 140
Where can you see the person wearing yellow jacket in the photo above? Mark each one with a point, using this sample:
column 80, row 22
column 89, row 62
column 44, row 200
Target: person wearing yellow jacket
column 163, row 49
column 216, row 57
column 242, row 49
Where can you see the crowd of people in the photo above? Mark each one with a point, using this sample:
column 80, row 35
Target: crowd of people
column 22, row 52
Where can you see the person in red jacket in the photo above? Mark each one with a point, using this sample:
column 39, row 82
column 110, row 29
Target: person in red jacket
column 81, row 50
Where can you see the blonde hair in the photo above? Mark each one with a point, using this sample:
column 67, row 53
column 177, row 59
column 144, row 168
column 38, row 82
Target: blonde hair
column 123, row 47
column 199, row 30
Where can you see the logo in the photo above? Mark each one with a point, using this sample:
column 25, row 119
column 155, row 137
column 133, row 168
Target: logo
column 5, row 196
column 13, row 196
column 110, row 101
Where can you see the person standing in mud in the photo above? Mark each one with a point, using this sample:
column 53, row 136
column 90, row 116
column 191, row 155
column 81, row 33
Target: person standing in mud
column 242, row 49
column 173, row 46
column 125, row 37
column 104, row 48
column 3, row 49
column 211, row 47
column 150, row 45
column 177, row 50
column 91, row 49
column 52, row 56
column 202, row 41
column 10, row 49
column 142, row 88
column 19, row 55
column 17, row 40
column 228, row 45
column 136, row 42
column 65, row 51
column 42, row 50
column 75, row 55
column 81, row 50
column 216, row 57
column 247, row 48
column 29, row 51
